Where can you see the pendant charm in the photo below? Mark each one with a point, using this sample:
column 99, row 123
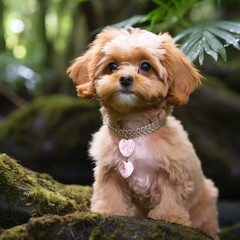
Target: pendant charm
column 125, row 169
column 126, row 147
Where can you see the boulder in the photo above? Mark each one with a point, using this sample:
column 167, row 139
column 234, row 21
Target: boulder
column 25, row 193
column 86, row 226
column 51, row 135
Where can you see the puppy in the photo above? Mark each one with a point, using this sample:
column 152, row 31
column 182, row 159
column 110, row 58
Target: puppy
column 145, row 163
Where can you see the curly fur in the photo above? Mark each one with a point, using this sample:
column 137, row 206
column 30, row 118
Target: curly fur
column 167, row 182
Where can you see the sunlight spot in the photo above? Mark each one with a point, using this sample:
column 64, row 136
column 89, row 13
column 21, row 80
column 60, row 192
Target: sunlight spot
column 12, row 41
column 16, row 26
column 19, row 52
column 51, row 20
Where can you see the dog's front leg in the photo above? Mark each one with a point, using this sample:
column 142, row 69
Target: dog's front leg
column 110, row 195
column 171, row 206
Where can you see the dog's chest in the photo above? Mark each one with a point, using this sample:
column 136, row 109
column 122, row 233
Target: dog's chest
column 144, row 176
column 140, row 182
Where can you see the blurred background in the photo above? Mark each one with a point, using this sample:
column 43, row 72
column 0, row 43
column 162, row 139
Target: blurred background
column 47, row 128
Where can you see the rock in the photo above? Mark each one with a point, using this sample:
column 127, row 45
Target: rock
column 51, row 135
column 93, row 226
column 25, row 193
column 34, row 206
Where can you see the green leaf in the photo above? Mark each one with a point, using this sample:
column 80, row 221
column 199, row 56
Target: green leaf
column 194, row 51
column 190, row 43
column 233, row 27
column 229, row 38
column 211, row 38
column 183, row 34
column 209, row 51
column 201, row 56
column 215, row 44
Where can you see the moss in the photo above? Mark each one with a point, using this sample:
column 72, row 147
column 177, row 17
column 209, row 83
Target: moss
column 53, row 111
column 72, row 226
column 80, row 194
column 50, row 202
column 53, row 131
column 86, row 225
column 231, row 233
column 36, row 194
column 13, row 178
column 15, row 233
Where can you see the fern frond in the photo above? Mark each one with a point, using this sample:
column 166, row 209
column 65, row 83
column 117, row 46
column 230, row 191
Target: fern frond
column 211, row 38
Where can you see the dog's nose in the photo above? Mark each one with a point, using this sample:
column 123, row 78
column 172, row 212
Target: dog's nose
column 126, row 80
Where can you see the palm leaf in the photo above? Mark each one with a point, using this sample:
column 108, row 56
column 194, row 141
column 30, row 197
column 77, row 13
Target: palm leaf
column 210, row 38
column 228, row 37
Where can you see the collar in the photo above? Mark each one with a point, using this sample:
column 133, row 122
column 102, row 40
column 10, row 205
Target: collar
column 136, row 132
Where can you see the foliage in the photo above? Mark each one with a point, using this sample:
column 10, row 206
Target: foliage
column 169, row 13
column 211, row 38
column 131, row 21
column 35, row 46
column 23, row 23
column 44, row 35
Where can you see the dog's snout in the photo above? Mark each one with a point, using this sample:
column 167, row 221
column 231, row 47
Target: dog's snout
column 126, row 80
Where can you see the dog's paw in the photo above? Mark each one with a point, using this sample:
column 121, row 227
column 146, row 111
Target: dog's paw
column 179, row 217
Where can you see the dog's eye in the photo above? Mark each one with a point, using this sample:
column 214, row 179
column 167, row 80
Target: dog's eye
column 112, row 67
column 145, row 66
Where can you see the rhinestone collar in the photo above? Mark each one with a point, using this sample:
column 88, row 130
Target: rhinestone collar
column 136, row 132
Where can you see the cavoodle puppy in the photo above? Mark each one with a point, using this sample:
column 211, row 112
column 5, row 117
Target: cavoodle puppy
column 145, row 164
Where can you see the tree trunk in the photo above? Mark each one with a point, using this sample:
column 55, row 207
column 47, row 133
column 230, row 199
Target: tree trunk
column 46, row 44
column 2, row 39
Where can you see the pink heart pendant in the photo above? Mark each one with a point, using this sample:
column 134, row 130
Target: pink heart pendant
column 125, row 169
column 126, row 147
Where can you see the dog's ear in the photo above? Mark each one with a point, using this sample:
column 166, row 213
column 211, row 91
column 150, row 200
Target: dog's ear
column 183, row 77
column 79, row 72
column 84, row 68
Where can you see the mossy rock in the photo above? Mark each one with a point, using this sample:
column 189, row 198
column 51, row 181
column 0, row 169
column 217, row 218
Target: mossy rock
column 51, row 135
column 99, row 227
column 35, row 206
column 24, row 193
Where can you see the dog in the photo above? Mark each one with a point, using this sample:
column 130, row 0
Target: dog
column 145, row 165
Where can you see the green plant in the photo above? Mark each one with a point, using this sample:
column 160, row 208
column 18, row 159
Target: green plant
column 211, row 38
column 167, row 14
column 201, row 37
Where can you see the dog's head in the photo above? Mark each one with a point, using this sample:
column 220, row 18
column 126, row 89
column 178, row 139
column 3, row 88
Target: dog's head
column 132, row 69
